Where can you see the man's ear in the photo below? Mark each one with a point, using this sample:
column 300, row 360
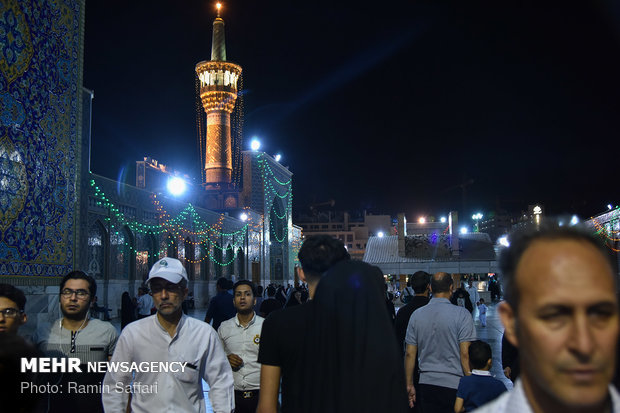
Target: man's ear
column 509, row 320
column 302, row 275
column 24, row 319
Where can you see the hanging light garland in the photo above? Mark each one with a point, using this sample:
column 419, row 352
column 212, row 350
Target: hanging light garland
column 609, row 230
column 272, row 188
column 181, row 227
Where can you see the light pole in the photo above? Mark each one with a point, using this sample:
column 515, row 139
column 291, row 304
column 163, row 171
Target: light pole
column 477, row 217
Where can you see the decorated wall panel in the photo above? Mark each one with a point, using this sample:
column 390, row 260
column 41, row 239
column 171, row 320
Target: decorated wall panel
column 40, row 118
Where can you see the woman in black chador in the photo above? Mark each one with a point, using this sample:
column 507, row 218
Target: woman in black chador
column 128, row 310
column 351, row 358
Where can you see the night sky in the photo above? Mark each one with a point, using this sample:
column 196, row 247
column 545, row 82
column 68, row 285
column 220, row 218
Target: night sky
column 385, row 107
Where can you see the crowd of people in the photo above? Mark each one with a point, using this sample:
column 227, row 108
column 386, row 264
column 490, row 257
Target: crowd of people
column 334, row 345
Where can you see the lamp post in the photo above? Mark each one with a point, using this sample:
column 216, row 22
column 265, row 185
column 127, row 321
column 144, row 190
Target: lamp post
column 477, row 217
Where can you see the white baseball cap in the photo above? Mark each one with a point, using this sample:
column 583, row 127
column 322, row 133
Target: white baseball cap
column 170, row 269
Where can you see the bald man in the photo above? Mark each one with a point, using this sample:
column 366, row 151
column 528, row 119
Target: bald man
column 439, row 334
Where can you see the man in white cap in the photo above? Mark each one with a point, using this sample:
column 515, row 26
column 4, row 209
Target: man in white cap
column 189, row 350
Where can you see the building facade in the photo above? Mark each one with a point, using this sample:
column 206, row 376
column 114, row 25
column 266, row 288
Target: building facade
column 353, row 232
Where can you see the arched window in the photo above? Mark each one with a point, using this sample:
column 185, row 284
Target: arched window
column 199, row 259
column 96, row 250
column 120, row 251
column 146, row 254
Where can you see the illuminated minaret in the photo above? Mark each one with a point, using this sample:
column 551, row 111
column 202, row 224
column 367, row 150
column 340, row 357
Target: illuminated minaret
column 218, row 93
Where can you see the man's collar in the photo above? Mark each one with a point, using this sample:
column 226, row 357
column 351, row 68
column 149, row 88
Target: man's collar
column 481, row 372
column 518, row 397
column 179, row 324
column 249, row 324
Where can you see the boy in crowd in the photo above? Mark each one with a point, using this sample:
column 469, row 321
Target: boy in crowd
column 480, row 387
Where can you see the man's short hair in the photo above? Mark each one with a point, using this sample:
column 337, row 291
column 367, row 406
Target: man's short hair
column 13, row 349
column 222, row 283
column 441, row 282
column 318, row 253
column 81, row 275
column 14, row 294
column 479, row 354
column 419, row 281
column 550, row 230
column 245, row 282
column 271, row 291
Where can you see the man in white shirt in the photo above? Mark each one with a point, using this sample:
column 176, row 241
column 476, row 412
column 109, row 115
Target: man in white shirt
column 562, row 314
column 145, row 303
column 240, row 336
column 474, row 296
column 188, row 348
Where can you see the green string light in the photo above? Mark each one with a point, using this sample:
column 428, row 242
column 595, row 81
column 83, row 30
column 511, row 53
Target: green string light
column 271, row 192
column 186, row 219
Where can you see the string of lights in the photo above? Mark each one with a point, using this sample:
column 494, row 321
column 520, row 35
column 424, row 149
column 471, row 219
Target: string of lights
column 200, row 127
column 186, row 225
column 272, row 192
column 237, row 121
column 610, row 229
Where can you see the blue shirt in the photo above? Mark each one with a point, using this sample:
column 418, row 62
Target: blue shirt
column 478, row 389
column 221, row 308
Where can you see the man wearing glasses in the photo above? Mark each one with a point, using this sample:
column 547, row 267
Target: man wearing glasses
column 12, row 304
column 76, row 335
column 169, row 337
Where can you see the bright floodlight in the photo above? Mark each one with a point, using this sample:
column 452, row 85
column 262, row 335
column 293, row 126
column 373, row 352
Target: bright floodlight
column 243, row 216
column 574, row 220
column 608, row 206
column 503, row 241
column 464, row 230
column 278, row 157
column 422, row 220
column 380, row 234
column 443, row 220
column 255, row 144
column 176, row 186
